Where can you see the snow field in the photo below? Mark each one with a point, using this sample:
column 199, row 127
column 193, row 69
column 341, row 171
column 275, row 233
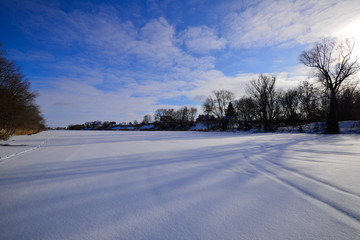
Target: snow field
column 180, row 185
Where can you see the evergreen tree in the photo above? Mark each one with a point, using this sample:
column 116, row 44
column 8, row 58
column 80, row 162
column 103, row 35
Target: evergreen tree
column 230, row 116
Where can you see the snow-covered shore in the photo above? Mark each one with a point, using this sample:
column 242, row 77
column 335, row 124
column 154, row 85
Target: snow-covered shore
column 179, row 185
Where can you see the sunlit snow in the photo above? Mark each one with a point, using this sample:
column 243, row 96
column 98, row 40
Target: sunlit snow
column 179, row 185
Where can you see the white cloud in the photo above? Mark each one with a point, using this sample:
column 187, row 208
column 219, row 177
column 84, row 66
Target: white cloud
column 157, row 32
column 124, row 70
column 76, row 102
column 202, row 39
column 288, row 22
column 216, row 80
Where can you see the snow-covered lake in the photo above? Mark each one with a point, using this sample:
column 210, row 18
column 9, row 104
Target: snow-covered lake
column 179, row 185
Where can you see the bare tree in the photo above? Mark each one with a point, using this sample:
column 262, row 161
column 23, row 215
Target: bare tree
column 163, row 112
column 348, row 100
column 246, row 111
column 333, row 63
column 262, row 90
column 290, row 101
column 186, row 115
column 183, row 116
column 217, row 105
column 193, row 111
column 310, row 98
column 159, row 113
column 147, row 119
column 17, row 102
column 208, row 106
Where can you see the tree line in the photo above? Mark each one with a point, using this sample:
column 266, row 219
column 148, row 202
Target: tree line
column 332, row 98
column 336, row 98
column 171, row 119
column 18, row 110
column 266, row 108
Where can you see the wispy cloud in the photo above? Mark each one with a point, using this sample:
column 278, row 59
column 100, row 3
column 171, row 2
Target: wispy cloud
column 202, row 39
column 110, row 66
column 32, row 55
column 287, row 22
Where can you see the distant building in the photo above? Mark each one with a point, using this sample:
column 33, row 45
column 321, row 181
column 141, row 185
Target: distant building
column 210, row 121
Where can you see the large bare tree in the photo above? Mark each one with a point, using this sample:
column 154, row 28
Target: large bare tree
column 334, row 63
column 217, row 104
column 262, row 90
column 245, row 109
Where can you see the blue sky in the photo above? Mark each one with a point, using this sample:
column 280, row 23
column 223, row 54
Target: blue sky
column 119, row 60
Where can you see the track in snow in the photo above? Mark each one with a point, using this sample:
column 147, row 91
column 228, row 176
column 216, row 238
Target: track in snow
column 181, row 185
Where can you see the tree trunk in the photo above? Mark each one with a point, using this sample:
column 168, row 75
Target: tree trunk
column 224, row 123
column 332, row 123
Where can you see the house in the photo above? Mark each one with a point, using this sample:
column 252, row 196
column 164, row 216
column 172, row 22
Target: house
column 210, row 121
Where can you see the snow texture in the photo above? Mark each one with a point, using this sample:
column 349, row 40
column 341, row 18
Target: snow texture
column 179, row 185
